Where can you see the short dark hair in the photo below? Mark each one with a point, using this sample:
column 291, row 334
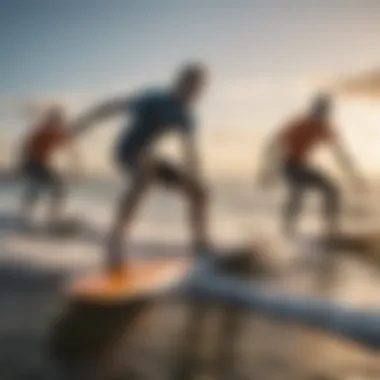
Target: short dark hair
column 322, row 102
column 191, row 71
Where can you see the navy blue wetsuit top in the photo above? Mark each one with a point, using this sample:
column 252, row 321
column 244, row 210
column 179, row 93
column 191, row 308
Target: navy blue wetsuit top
column 153, row 114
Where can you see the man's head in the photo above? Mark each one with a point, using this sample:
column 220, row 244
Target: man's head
column 321, row 107
column 189, row 82
column 55, row 117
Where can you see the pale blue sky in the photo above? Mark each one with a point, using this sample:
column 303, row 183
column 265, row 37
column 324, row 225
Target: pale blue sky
column 86, row 45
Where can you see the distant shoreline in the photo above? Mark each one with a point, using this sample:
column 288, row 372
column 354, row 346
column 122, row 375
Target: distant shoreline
column 10, row 177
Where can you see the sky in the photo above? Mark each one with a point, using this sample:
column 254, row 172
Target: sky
column 89, row 44
column 265, row 56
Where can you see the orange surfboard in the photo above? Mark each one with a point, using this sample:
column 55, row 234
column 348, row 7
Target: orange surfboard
column 140, row 278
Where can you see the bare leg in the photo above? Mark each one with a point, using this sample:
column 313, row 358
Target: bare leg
column 175, row 178
column 198, row 219
column 29, row 200
column 292, row 210
column 331, row 207
column 58, row 197
column 126, row 209
column 198, row 212
column 305, row 177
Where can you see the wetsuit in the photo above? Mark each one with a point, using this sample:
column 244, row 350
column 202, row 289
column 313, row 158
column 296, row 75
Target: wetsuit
column 297, row 141
column 154, row 113
column 37, row 154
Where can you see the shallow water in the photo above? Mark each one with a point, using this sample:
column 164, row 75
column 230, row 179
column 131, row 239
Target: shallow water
column 31, row 269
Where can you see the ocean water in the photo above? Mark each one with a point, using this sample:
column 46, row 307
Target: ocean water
column 239, row 214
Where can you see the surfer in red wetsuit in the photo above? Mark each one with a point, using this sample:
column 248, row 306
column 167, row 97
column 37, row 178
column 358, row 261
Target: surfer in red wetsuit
column 36, row 167
column 293, row 145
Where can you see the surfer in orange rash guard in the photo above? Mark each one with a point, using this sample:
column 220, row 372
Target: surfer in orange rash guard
column 293, row 145
column 36, row 168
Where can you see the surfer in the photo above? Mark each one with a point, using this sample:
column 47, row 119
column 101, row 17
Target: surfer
column 291, row 148
column 153, row 114
column 36, row 164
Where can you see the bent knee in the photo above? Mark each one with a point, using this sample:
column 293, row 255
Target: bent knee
column 331, row 191
column 58, row 190
column 199, row 192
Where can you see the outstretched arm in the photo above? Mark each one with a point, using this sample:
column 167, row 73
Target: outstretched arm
column 99, row 113
column 347, row 164
column 191, row 156
column 22, row 153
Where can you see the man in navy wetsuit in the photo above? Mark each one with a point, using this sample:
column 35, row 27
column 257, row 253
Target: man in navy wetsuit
column 155, row 113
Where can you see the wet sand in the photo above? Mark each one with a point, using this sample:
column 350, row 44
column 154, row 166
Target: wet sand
column 268, row 349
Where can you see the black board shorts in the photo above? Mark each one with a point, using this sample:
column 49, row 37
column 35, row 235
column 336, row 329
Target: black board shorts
column 40, row 173
column 161, row 170
column 302, row 176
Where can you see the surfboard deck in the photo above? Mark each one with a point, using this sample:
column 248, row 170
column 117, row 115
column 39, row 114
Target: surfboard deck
column 102, row 307
column 137, row 279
